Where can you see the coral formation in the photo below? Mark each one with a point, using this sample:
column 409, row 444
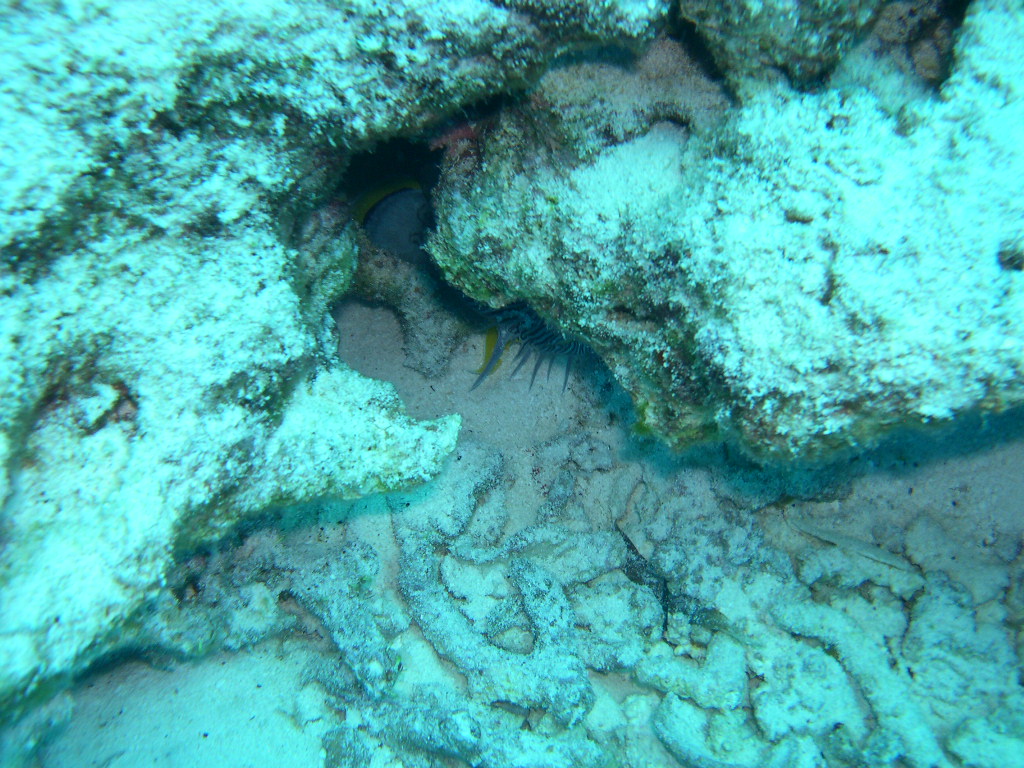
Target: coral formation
column 189, row 465
column 793, row 276
column 804, row 40
column 919, row 35
column 454, row 621
column 171, row 246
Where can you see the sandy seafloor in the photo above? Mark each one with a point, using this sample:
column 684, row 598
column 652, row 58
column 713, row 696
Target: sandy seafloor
column 948, row 502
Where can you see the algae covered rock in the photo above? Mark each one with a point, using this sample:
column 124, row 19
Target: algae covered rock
column 805, row 40
column 172, row 241
column 188, row 398
column 802, row 275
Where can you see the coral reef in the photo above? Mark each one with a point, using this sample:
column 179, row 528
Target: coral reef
column 457, row 621
column 190, row 462
column 804, row 40
column 794, row 276
column 918, row 34
column 171, row 246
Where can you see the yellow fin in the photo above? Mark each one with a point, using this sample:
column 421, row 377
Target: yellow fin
column 489, row 344
column 369, row 198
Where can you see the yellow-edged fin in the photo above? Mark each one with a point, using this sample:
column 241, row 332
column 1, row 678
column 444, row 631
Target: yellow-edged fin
column 369, row 198
column 490, row 343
